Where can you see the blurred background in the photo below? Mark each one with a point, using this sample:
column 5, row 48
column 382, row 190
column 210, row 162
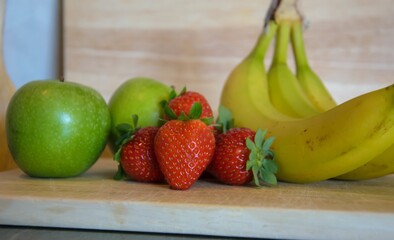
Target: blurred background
column 193, row 43
column 31, row 40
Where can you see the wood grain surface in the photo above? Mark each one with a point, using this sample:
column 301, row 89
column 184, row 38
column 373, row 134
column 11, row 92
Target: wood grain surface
column 197, row 43
column 325, row 210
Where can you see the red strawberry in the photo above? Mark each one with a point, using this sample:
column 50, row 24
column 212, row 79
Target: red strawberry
column 138, row 158
column 136, row 154
column 238, row 160
column 231, row 154
column 184, row 102
column 184, row 149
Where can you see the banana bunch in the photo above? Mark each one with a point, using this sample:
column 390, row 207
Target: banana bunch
column 316, row 139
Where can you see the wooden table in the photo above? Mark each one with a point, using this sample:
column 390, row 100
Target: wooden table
column 326, row 210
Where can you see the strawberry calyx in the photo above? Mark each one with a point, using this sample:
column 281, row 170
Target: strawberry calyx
column 194, row 113
column 225, row 120
column 173, row 94
column 182, row 107
column 262, row 159
column 127, row 132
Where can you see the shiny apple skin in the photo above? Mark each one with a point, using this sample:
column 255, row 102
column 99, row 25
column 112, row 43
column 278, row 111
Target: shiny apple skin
column 56, row 129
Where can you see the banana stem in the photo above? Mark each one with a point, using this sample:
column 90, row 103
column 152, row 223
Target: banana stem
column 264, row 41
column 282, row 43
column 297, row 42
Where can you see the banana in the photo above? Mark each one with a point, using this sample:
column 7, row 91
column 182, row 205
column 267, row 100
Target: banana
column 318, row 94
column 246, row 90
column 380, row 166
column 311, row 84
column 286, row 93
column 316, row 148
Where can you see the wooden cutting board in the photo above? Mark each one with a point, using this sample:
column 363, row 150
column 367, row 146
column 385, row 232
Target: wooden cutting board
column 325, row 210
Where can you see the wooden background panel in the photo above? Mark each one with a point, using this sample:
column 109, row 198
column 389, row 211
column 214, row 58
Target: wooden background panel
column 197, row 43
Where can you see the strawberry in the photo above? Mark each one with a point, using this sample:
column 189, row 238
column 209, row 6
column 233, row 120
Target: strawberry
column 231, row 154
column 139, row 159
column 136, row 155
column 184, row 148
column 242, row 155
column 185, row 100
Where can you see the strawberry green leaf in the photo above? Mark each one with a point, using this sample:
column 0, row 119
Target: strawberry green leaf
column 252, row 160
column 262, row 159
column 195, row 111
column 183, row 91
column 162, row 103
column 270, row 165
column 225, row 119
column 169, row 112
column 172, row 94
column 249, row 164
column 207, row 121
column 135, row 120
column 268, row 177
column 255, row 171
column 259, row 137
column 268, row 143
column 123, row 127
column 118, row 155
column 124, row 137
column 162, row 121
column 120, row 174
column 250, row 144
column 183, row 117
column 127, row 132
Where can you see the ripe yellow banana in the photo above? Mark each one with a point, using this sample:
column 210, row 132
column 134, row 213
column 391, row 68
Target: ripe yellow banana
column 380, row 166
column 246, row 90
column 315, row 148
column 286, row 93
column 314, row 88
column 309, row 81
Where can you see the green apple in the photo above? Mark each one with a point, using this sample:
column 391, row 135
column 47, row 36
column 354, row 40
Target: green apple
column 56, row 129
column 140, row 96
